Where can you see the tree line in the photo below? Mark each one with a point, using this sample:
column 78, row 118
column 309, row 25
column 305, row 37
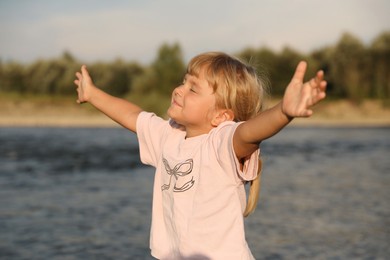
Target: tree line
column 353, row 70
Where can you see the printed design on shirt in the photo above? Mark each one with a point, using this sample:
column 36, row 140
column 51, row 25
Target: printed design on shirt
column 180, row 173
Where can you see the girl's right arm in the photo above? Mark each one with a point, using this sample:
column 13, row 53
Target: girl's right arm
column 121, row 111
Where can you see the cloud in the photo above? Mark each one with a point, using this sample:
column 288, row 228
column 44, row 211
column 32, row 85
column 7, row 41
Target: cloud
column 96, row 30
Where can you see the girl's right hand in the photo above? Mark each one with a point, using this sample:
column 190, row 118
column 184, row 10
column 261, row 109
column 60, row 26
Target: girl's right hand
column 84, row 85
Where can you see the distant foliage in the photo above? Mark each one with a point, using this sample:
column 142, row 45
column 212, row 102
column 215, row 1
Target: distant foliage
column 164, row 74
column 353, row 71
column 116, row 77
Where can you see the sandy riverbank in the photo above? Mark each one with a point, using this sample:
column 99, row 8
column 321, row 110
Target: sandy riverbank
column 70, row 114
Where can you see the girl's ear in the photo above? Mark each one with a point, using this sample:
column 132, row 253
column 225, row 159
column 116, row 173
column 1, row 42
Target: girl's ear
column 221, row 116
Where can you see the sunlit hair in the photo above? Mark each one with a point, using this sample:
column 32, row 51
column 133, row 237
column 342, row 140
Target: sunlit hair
column 237, row 87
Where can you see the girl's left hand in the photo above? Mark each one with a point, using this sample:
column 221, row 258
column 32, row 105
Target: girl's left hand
column 299, row 97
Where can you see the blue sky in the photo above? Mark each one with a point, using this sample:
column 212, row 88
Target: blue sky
column 134, row 29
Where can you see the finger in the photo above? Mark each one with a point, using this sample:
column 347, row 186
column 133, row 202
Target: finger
column 308, row 113
column 323, row 85
column 320, row 75
column 300, row 71
column 78, row 79
column 319, row 88
column 84, row 70
column 317, row 98
column 313, row 83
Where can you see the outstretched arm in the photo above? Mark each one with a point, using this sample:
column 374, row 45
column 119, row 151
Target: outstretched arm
column 297, row 101
column 121, row 111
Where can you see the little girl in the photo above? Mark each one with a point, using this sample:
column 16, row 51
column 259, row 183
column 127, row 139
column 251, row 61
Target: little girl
column 206, row 151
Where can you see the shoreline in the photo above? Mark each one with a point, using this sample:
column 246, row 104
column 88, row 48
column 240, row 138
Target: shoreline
column 96, row 121
column 341, row 113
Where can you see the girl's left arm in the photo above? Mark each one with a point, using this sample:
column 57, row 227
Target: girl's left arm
column 297, row 101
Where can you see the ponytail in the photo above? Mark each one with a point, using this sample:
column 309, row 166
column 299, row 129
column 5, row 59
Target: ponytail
column 254, row 191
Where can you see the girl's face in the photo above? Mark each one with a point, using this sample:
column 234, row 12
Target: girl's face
column 193, row 105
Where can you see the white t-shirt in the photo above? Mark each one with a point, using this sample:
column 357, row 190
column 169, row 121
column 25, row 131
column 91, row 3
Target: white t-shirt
column 199, row 195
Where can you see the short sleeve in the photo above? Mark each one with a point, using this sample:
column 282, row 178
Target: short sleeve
column 150, row 132
column 223, row 144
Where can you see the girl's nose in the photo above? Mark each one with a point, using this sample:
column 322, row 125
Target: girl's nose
column 178, row 90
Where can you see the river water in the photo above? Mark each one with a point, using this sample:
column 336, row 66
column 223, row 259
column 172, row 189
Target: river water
column 82, row 193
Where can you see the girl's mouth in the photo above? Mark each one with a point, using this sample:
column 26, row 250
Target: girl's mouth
column 174, row 102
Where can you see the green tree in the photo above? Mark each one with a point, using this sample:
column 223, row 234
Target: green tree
column 284, row 68
column 165, row 72
column 115, row 78
column 69, row 65
column 380, row 51
column 11, row 77
column 51, row 76
column 169, row 68
column 41, row 77
column 349, row 68
column 263, row 59
column 155, row 85
column 322, row 60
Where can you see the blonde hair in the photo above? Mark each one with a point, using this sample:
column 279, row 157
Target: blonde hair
column 239, row 88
